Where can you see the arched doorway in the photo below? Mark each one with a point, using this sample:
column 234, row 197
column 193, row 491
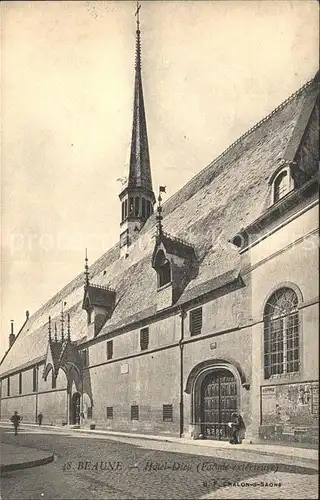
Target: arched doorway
column 75, row 408
column 218, row 402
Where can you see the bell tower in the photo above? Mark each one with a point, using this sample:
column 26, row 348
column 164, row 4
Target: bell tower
column 137, row 198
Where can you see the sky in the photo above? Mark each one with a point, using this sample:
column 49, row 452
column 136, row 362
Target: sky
column 211, row 70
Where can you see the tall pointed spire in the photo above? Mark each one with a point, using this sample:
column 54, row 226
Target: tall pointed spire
column 139, row 172
column 137, row 198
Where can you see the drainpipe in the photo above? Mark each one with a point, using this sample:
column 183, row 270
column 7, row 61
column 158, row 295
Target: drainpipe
column 182, row 315
column 82, row 414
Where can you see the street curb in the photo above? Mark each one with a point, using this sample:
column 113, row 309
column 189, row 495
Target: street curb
column 26, row 465
column 181, row 441
column 175, row 440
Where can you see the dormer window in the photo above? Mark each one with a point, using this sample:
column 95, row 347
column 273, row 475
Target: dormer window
column 163, row 268
column 282, row 183
column 281, row 186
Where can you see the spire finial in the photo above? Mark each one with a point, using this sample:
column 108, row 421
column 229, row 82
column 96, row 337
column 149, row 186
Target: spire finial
column 68, row 326
column 86, row 270
column 138, row 41
column 162, row 189
column 55, row 333
column 49, row 328
column 62, row 321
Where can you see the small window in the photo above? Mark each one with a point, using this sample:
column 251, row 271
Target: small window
column 124, row 238
column 163, row 268
column 137, row 206
column 85, row 357
column 131, row 205
column 126, row 207
column 122, row 210
column 89, row 412
column 20, row 383
column 281, row 186
column 144, row 338
column 110, row 412
column 195, row 319
column 109, row 349
column 54, row 381
column 167, row 413
column 34, row 380
column 134, row 412
column 148, row 208
column 143, row 207
column 8, row 386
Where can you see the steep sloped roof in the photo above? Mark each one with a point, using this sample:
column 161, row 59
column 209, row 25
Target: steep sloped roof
column 228, row 194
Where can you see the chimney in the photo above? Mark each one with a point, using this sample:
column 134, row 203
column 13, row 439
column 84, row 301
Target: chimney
column 12, row 336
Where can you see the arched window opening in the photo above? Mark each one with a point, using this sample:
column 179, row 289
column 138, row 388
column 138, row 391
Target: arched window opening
column 148, row 208
column 281, row 333
column 136, row 206
column 143, row 207
column 281, row 186
column 163, row 268
column 122, row 211
column 131, row 205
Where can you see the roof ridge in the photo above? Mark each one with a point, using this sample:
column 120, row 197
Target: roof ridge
column 245, row 134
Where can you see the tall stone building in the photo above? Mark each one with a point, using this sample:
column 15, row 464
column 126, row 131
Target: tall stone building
column 208, row 304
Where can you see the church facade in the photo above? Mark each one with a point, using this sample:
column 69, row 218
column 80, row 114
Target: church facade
column 208, row 305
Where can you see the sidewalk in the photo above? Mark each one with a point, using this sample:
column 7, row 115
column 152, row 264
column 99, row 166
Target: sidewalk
column 263, row 449
column 20, row 457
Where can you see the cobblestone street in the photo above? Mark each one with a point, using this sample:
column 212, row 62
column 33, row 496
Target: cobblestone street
column 117, row 468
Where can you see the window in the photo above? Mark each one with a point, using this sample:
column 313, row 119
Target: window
column 126, row 207
column 167, row 413
column 195, row 321
column 85, row 357
column 54, row 381
column 34, row 380
column 122, row 211
column 149, row 209
column 281, row 185
column 8, row 386
column 109, row 349
column 110, row 412
column 131, row 205
column 163, row 268
column 281, row 333
column 89, row 412
column 144, row 338
column 124, row 238
column 134, row 412
column 143, row 207
column 136, row 207
column 20, row 383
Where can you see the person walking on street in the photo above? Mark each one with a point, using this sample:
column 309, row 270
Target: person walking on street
column 15, row 419
column 40, row 418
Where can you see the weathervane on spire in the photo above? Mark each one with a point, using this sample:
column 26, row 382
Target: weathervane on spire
column 137, row 14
